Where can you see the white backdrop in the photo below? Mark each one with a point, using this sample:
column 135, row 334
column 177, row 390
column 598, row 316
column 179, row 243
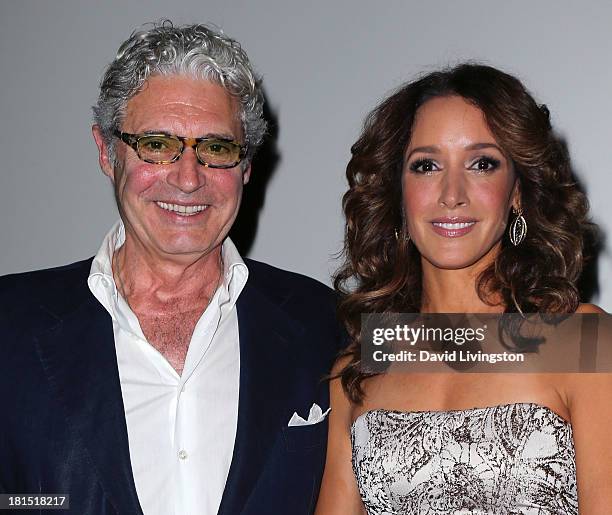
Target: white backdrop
column 325, row 65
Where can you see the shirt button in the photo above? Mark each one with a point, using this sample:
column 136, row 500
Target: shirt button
column 182, row 455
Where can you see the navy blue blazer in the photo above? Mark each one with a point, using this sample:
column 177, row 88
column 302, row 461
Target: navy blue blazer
column 63, row 428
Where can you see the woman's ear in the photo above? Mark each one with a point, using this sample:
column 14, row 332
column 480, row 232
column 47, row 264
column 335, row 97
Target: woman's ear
column 516, row 196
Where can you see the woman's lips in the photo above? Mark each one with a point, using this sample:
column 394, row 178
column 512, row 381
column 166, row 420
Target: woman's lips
column 454, row 228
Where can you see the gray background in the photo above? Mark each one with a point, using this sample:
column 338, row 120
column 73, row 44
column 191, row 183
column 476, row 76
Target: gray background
column 325, row 65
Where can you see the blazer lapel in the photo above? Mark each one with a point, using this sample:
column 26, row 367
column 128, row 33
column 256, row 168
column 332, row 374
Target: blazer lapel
column 265, row 382
column 78, row 355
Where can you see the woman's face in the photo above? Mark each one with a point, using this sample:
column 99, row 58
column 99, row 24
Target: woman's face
column 458, row 186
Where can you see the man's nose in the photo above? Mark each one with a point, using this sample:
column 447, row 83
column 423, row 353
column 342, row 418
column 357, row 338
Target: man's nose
column 453, row 192
column 187, row 173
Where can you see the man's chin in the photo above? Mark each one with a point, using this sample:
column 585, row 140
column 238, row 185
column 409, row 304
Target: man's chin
column 178, row 248
column 189, row 252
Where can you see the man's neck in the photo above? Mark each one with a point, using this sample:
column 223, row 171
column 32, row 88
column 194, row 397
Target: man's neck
column 138, row 274
column 167, row 298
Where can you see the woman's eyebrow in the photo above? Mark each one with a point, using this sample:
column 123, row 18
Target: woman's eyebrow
column 433, row 149
column 427, row 150
column 480, row 146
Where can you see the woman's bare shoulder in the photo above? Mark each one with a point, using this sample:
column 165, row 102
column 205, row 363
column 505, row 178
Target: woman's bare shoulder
column 340, row 364
column 590, row 308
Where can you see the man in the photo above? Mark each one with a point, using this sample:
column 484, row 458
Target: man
column 169, row 375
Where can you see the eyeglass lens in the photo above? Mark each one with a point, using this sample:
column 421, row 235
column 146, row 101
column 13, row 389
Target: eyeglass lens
column 162, row 149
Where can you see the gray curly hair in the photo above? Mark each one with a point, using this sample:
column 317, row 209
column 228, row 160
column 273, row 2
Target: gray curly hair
column 193, row 50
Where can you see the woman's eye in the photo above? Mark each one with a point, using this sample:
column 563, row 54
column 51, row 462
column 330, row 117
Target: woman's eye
column 485, row 164
column 423, row 166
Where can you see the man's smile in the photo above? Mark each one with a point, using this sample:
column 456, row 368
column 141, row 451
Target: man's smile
column 181, row 209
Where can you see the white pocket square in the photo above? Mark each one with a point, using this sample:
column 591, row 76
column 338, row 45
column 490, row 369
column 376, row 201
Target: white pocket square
column 315, row 416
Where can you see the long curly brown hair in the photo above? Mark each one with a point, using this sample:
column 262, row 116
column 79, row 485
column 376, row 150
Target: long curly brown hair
column 382, row 273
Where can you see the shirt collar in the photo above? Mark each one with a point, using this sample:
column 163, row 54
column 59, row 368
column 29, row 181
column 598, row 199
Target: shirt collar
column 235, row 271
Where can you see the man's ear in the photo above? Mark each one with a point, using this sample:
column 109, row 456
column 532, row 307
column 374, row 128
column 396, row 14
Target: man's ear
column 246, row 174
column 105, row 164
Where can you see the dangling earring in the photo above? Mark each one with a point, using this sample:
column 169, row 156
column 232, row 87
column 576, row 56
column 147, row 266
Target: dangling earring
column 518, row 227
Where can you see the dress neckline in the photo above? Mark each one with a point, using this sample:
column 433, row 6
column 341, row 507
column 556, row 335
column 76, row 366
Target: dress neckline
column 455, row 411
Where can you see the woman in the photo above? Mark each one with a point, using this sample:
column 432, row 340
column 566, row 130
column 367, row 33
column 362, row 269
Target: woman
column 461, row 201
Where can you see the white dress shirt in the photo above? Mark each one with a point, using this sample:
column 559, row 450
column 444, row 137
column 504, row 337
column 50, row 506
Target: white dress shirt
column 181, row 429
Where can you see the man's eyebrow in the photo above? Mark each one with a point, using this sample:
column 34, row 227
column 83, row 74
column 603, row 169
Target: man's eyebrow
column 220, row 135
column 211, row 135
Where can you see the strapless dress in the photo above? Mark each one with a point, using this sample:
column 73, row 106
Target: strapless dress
column 504, row 460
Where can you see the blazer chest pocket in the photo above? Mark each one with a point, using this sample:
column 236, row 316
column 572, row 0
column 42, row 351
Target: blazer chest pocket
column 299, row 438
